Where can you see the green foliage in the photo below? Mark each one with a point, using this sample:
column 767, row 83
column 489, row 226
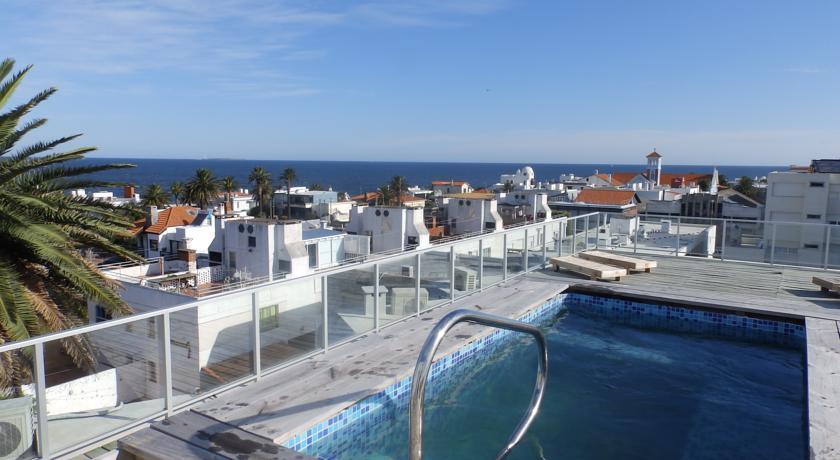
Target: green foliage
column 176, row 189
column 263, row 189
column 507, row 187
column 155, row 196
column 202, row 188
column 289, row 177
column 45, row 282
column 398, row 186
column 746, row 186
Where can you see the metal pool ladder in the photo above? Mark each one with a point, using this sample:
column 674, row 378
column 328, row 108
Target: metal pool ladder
column 424, row 365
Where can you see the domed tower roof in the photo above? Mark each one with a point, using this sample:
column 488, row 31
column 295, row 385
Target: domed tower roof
column 654, row 154
column 528, row 171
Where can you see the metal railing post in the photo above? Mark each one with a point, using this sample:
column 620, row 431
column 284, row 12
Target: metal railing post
column 255, row 333
column 417, row 283
column 636, row 233
column 586, row 233
column 41, row 402
column 480, row 265
column 574, row 237
column 325, row 309
column 723, row 242
column 598, row 233
column 773, row 245
column 545, row 245
column 165, row 347
column 376, row 297
column 452, row 272
column 525, row 252
column 677, row 253
column 827, row 245
column 504, row 256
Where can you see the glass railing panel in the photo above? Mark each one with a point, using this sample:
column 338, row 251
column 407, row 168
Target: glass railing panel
column 797, row 244
column 515, row 252
column 351, row 303
column 398, row 280
column 746, row 241
column 435, row 275
column 102, row 381
column 568, row 231
column 553, row 238
column 833, row 258
column 656, row 235
column 18, row 405
column 467, row 267
column 291, row 320
column 536, row 242
column 212, row 345
column 494, row 253
column 697, row 236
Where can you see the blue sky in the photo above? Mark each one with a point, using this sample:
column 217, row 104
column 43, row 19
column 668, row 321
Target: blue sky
column 711, row 82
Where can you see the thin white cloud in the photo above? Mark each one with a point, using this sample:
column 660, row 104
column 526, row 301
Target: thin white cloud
column 223, row 40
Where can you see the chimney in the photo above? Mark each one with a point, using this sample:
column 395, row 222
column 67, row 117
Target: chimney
column 189, row 256
column 128, row 191
column 151, row 215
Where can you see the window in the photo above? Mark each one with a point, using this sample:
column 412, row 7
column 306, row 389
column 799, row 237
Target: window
column 153, row 245
column 412, row 240
column 268, row 318
column 284, row 266
column 232, row 260
column 817, row 184
column 812, row 216
column 490, row 226
column 151, row 371
column 102, row 315
column 215, row 258
column 811, row 246
column 252, row 241
column 312, row 249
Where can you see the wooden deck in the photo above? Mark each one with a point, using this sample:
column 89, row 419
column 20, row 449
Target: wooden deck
column 759, row 288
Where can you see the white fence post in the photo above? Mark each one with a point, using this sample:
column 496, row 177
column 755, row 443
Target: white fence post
column 41, row 402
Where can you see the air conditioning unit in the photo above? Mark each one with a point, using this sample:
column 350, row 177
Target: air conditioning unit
column 407, row 271
column 17, row 427
column 465, row 279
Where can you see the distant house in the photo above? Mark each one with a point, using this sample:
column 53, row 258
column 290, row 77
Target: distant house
column 373, row 199
column 448, row 187
column 618, row 201
column 390, row 228
column 471, row 213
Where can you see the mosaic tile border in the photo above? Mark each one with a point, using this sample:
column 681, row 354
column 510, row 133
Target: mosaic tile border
column 368, row 412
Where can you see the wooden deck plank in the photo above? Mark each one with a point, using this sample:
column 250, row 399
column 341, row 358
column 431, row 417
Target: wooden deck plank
column 589, row 268
column 823, row 357
column 153, row 445
column 618, row 260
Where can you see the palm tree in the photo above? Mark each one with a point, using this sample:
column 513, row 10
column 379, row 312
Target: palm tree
column 155, row 196
column 507, row 187
column 177, row 191
column 316, row 186
column 263, row 190
column 229, row 186
column 202, row 188
column 386, row 195
column 746, row 186
column 45, row 281
column 289, row 176
column 398, row 186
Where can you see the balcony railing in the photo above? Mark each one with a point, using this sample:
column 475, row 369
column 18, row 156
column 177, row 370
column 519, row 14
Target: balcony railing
column 138, row 368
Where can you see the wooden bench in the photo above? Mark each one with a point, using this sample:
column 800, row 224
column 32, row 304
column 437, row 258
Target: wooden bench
column 617, row 260
column 826, row 284
column 593, row 270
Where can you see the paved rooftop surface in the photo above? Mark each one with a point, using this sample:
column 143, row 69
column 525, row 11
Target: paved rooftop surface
column 759, row 288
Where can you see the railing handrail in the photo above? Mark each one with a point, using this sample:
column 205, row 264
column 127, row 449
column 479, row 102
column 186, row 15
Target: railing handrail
column 424, row 365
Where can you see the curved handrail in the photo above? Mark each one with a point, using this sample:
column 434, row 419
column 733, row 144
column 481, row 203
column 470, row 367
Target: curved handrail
column 424, row 365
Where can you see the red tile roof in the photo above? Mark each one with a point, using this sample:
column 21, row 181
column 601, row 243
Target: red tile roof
column 689, row 178
column 605, row 196
column 449, row 182
column 606, row 178
column 173, row 217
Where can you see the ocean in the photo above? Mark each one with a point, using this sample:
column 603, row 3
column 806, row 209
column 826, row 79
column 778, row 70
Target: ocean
column 358, row 176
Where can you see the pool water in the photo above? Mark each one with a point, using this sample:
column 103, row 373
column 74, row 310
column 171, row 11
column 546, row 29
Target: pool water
column 614, row 391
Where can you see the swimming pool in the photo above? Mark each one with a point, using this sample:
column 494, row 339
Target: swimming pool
column 627, row 380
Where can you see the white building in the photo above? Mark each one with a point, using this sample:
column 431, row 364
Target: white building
column 179, row 227
column 804, row 198
column 448, row 187
column 390, row 228
column 522, row 179
column 130, row 196
column 239, row 202
column 467, row 214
